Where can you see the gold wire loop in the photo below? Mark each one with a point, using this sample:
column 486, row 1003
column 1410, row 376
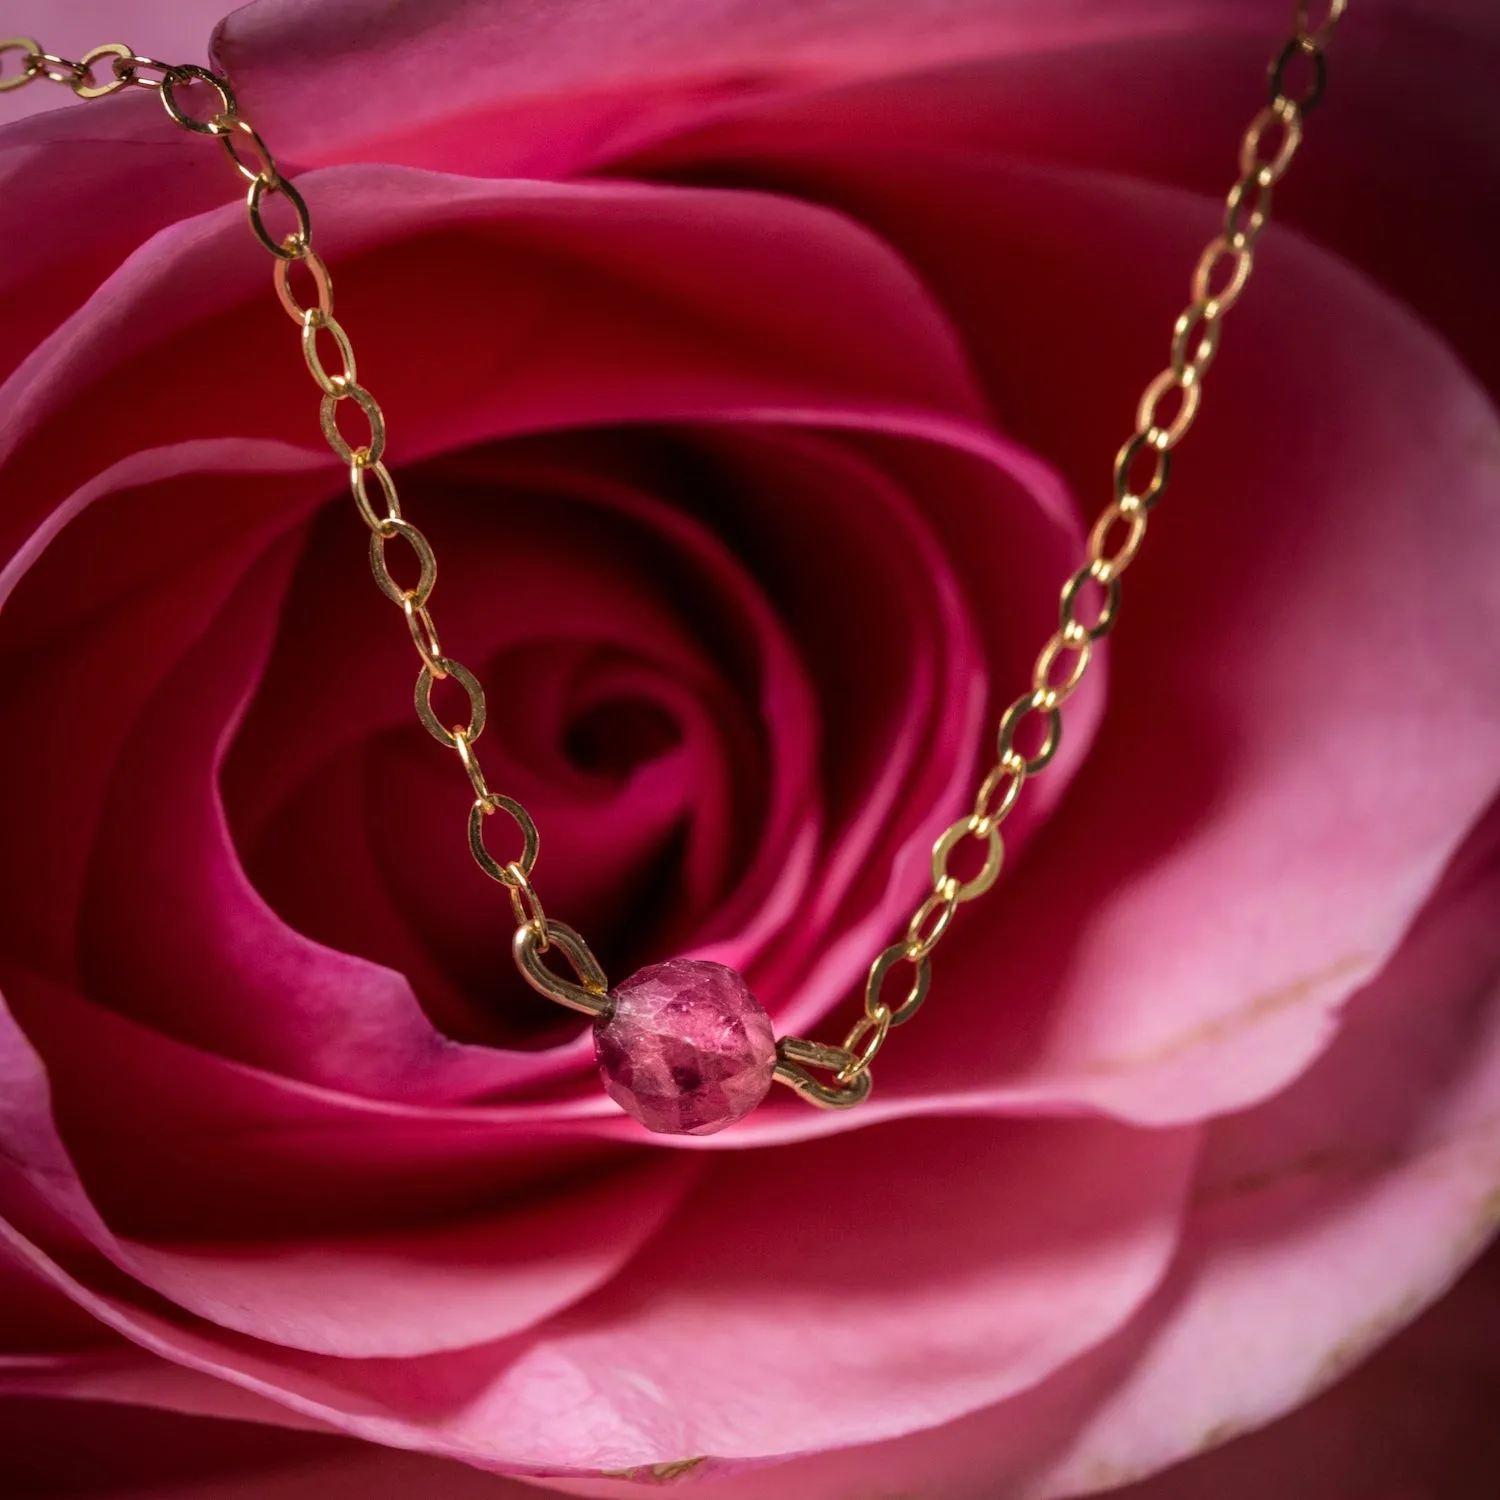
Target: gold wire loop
column 389, row 529
column 1191, row 394
column 1285, row 115
column 1215, row 254
column 916, row 992
column 1251, row 190
column 239, row 129
column 1007, row 777
column 63, row 70
column 590, row 994
column 795, row 1055
column 31, row 61
column 289, row 246
column 527, row 905
column 930, row 921
column 810, row 1054
column 1301, row 45
column 994, row 857
column 868, row 1034
column 1112, row 564
column 1055, row 694
column 470, row 684
column 313, row 324
column 472, row 770
column 328, row 416
column 424, row 637
column 492, row 802
column 129, row 69
column 191, row 73
column 380, row 525
column 1125, row 461
column 117, row 79
column 1201, row 320
column 1319, row 36
column 1073, row 592
column 1010, row 725
column 322, row 283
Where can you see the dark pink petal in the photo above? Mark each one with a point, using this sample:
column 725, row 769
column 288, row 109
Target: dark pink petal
column 635, row 1355
column 613, row 596
column 577, row 80
column 57, row 1447
column 600, row 325
column 392, row 1292
column 118, row 618
column 409, row 1050
column 68, row 163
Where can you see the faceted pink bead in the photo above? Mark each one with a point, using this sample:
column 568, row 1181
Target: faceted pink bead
column 688, row 1049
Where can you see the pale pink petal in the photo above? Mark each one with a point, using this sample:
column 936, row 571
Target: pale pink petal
column 1322, row 1222
column 1007, row 1280
column 1416, row 1422
column 1205, row 899
column 1325, row 1220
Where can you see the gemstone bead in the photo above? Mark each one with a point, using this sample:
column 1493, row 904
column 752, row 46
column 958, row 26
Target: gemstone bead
column 688, row 1049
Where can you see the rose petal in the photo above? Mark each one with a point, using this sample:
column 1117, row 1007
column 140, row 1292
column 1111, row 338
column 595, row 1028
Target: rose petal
column 610, row 593
column 580, row 80
column 1271, row 912
column 61, row 651
column 857, row 340
column 1417, row 1420
column 395, row 1292
column 449, row 1286
column 97, row 1448
column 66, row 163
column 1103, row 1251
column 1322, row 1221
column 1325, row 1220
column 945, row 383
column 1007, row 1280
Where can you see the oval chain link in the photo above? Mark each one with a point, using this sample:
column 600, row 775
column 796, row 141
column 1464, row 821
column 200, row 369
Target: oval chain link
column 1089, row 604
column 1087, row 608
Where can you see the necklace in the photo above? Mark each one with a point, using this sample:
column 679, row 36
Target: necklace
column 683, row 1045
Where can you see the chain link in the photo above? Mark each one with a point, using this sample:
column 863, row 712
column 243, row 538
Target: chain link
column 328, row 353
column 1089, row 604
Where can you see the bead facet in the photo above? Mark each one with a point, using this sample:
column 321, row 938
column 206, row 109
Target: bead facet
column 688, row 1049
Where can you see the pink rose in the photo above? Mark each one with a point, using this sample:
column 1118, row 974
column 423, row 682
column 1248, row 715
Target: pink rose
column 756, row 370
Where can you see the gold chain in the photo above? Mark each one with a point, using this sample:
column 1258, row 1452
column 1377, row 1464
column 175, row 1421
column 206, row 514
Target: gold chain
column 329, row 356
column 1089, row 602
